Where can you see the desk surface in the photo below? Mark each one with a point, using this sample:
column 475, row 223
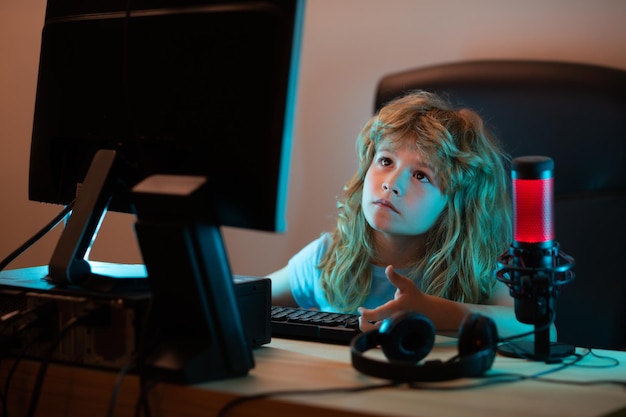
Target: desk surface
column 288, row 365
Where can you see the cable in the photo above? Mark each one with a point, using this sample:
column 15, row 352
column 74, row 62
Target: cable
column 508, row 339
column 118, row 386
column 615, row 361
column 482, row 382
column 47, row 358
column 579, row 357
column 240, row 400
column 505, row 378
column 31, row 317
column 37, row 312
column 9, row 379
column 46, row 361
column 562, row 366
column 142, row 402
column 138, row 359
column 41, row 233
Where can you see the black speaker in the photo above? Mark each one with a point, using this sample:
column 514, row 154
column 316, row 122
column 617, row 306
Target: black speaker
column 406, row 338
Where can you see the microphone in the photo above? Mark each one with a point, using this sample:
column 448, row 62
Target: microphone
column 534, row 268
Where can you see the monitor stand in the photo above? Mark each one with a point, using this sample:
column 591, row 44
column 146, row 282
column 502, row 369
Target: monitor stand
column 68, row 266
column 194, row 331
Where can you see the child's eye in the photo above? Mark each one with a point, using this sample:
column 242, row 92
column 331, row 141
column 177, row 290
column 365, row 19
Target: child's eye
column 420, row 176
column 385, row 161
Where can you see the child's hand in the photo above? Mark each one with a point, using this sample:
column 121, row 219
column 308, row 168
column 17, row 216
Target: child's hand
column 408, row 297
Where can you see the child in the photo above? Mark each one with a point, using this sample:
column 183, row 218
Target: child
column 420, row 226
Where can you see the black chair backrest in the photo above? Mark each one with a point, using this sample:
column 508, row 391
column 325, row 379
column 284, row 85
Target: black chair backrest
column 575, row 114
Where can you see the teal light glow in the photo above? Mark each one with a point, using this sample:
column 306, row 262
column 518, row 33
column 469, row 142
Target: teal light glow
column 290, row 111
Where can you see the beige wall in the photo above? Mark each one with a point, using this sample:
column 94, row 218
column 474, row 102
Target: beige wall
column 348, row 46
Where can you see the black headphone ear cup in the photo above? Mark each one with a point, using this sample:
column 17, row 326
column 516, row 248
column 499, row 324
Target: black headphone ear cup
column 477, row 333
column 407, row 337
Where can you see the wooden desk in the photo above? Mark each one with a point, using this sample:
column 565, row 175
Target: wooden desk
column 289, row 365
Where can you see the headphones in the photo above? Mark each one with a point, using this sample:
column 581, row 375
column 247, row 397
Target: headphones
column 407, row 337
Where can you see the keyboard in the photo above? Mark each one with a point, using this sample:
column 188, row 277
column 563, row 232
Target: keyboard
column 317, row 326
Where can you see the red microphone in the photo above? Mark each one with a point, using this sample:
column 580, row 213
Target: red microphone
column 533, row 268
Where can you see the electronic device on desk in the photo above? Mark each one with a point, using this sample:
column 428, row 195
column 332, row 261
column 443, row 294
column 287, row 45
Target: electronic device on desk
column 191, row 104
column 35, row 311
column 317, row 326
column 408, row 337
column 534, row 268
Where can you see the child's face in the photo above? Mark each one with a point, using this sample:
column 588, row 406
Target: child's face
column 401, row 196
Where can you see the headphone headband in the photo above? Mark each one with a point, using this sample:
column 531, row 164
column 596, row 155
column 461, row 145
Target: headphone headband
column 477, row 350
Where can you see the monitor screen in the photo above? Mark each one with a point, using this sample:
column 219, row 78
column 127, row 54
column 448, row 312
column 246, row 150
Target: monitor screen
column 203, row 88
column 136, row 98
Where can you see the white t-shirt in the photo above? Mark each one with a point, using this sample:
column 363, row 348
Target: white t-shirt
column 304, row 276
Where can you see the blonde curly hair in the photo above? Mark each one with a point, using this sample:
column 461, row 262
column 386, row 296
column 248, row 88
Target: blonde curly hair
column 473, row 229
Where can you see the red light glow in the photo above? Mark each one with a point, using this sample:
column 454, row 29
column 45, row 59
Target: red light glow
column 532, row 210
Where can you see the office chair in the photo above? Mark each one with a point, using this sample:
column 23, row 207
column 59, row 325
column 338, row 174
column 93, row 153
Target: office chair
column 575, row 114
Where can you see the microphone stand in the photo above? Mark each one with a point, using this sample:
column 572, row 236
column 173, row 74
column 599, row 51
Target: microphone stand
column 535, row 291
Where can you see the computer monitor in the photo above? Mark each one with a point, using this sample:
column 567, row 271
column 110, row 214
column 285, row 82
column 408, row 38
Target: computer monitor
column 181, row 89
column 201, row 88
